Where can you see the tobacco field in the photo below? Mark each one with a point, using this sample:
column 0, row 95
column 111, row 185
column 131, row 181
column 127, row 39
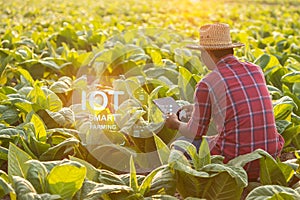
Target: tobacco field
column 77, row 80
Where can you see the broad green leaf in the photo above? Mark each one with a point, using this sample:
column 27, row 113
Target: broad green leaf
column 226, row 188
column 133, row 179
column 177, row 159
column 270, row 172
column 4, row 175
column 238, row 173
column 206, row 182
column 286, row 170
column 263, row 60
column 101, row 190
column 26, row 75
column 16, row 161
column 164, row 182
column 24, row 106
column 50, row 119
column 131, row 119
column 161, row 197
column 126, row 178
column 37, row 96
column 282, row 196
column 290, row 134
column 282, row 125
column 283, row 107
column 23, row 186
column 190, row 149
column 113, row 155
column 49, row 64
column 156, row 57
column 139, row 59
column 272, row 192
column 9, row 90
column 197, row 77
column 26, row 191
column 292, row 163
column 162, row 150
column 36, row 175
column 109, row 178
column 156, row 72
column 40, row 130
column 51, row 164
column 62, row 85
column 296, row 141
column 85, row 189
column 268, row 40
column 24, row 91
column 291, row 77
column 146, row 184
column 296, row 100
column 11, row 132
column 54, row 103
column 66, row 180
column 10, row 115
column 275, row 92
column 272, row 63
column 3, row 97
column 243, row 36
column 182, row 56
column 69, row 118
column 194, row 65
column 295, row 56
column 276, row 75
column 208, row 185
column 158, row 92
column 173, row 91
column 63, row 118
column 91, row 172
column 242, row 160
column 151, row 84
column 204, row 154
column 298, row 190
column 5, row 188
column 128, row 68
column 20, row 101
column 187, row 89
column 217, row 159
column 165, row 80
column 60, row 151
column 32, row 145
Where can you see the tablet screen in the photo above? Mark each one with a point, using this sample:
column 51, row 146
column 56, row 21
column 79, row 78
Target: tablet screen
column 167, row 105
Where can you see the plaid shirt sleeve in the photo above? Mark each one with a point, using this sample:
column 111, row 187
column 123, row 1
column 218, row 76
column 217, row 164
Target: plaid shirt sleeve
column 198, row 124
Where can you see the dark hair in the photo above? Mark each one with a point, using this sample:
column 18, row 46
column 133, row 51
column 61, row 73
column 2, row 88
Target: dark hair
column 222, row 52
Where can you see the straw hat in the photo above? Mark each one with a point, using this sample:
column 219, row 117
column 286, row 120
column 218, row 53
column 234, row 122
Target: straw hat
column 215, row 37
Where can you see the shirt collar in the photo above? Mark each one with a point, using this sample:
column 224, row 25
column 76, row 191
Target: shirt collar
column 226, row 59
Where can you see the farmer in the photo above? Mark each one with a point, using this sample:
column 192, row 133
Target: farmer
column 232, row 105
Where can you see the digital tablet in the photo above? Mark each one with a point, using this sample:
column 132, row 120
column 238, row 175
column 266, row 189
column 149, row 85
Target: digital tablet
column 167, row 105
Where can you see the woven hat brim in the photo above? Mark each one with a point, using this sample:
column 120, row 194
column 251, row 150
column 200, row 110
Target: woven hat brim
column 215, row 47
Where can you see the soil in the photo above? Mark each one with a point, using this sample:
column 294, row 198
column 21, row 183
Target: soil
column 287, row 156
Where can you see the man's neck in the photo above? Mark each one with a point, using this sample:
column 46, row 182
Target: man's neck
column 217, row 60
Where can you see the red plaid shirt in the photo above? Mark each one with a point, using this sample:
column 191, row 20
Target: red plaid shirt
column 235, row 98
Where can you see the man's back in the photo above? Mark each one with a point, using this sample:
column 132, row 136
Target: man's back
column 249, row 121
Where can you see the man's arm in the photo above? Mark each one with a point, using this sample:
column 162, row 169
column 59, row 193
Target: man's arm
column 172, row 122
column 198, row 124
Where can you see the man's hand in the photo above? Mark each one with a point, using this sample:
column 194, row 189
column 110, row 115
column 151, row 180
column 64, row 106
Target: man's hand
column 185, row 112
column 172, row 121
